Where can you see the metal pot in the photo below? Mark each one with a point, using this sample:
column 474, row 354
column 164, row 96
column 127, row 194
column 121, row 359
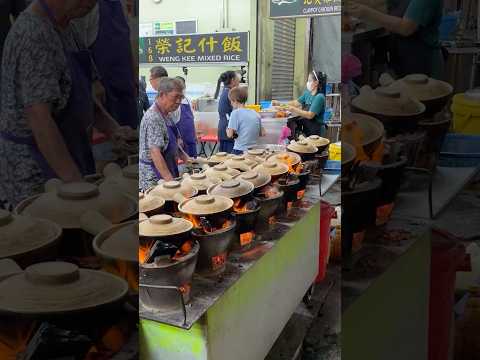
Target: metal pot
column 214, row 250
column 164, row 288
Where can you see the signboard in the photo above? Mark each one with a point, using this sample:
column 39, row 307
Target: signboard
column 231, row 47
column 164, row 28
column 304, row 8
column 145, row 30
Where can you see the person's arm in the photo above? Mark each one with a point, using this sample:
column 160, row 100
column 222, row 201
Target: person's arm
column 160, row 164
column 262, row 131
column 104, row 122
column 398, row 25
column 232, row 126
column 302, row 113
column 50, row 142
column 294, row 103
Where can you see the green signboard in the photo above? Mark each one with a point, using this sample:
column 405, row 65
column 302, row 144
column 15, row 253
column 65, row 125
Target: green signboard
column 304, row 8
column 211, row 48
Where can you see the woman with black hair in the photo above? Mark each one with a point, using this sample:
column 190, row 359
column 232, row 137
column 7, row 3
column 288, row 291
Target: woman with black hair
column 309, row 109
column 230, row 79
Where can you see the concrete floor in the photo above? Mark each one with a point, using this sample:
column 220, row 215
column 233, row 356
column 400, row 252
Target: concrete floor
column 313, row 332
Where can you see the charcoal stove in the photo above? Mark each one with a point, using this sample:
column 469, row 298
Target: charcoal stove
column 251, row 283
column 290, row 185
column 165, row 282
column 215, row 234
column 359, row 210
column 270, row 198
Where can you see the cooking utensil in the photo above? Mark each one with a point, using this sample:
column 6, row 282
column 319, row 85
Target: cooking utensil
column 258, row 179
column 232, row 189
column 126, row 179
column 200, row 181
column 221, row 172
column 165, row 228
column 150, row 204
column 59, row 288
column 28, row 240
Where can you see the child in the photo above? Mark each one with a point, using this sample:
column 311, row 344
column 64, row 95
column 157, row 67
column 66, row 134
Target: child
column 245, row 125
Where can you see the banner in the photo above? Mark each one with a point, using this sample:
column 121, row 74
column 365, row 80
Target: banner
column 304, row 8
column 195, row 49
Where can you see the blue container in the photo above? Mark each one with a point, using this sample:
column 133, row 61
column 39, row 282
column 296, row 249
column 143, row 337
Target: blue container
column 460, row 151
column 327, row 115
column 332, row 167
column 328, row 88
column 447, row 27
column 265, row 104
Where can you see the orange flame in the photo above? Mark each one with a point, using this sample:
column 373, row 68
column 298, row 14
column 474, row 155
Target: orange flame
column 143, row 251
column 184, row 250
column 125, row 271
column 15, row 338
column 356, row 138
column 194, row 220
column 238, row 207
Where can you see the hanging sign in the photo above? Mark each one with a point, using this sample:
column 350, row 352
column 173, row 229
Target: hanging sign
column 211, row 48
column 304, row 8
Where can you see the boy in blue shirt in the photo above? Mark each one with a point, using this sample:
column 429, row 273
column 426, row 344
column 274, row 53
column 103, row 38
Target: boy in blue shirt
column 245, row 125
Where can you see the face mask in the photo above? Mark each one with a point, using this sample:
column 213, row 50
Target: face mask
column 310, row 85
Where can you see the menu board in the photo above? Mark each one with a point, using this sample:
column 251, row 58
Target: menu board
column 304, row 8
column 214, row 48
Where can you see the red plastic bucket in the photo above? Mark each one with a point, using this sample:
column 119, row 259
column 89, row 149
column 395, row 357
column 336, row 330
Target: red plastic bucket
column 326, row 214
column 448, row 257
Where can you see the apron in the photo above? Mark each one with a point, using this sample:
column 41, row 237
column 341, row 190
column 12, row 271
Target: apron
column 112, row 53
column 186, row 127
column 410, row 55
column 74, row 120
column 170, row 153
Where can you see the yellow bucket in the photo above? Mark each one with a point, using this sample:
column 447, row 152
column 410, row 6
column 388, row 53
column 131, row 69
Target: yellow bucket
column 335, row 152
column 466, row 115
column 256, row 108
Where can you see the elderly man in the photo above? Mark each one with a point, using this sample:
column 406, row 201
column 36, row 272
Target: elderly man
column 159, row 149
column 47, row 104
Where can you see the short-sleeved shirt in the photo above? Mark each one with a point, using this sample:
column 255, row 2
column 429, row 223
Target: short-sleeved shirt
column 314, row 103
column 153, row 133
column 247, row 124
column 427, row 14
column 35, row 71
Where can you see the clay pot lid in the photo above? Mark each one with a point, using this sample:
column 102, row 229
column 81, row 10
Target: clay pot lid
column 317, row 141
column 205, row 205
column 348, row 153
column 258, row 179
column 164, row 225
column 256, row 152
column 119, row 242
column 221, row 172
column 232, row 189
column 219, row 157
column 424, row 88
column 371, row 129
column 200, row 181
column 65, row 203
column 287, row 157
column 272, row 167
column 302, row 147
column 58, row 287
column 240, row 162
column 22, row 234
column 388, row 101
column 167, row 190
column 142, row 216
column 150, row 202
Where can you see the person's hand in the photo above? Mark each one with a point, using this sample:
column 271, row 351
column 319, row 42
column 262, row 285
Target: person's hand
column 355, row 9
column 291, row 109
column 125, row 140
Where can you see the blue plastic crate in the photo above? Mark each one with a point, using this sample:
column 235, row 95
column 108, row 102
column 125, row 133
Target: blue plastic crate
column 265, row 104
column 460, row 151
column 332, row 167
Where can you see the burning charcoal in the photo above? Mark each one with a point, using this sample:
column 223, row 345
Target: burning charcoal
column 206, row 225
column 51, row 342
column 160, row 249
